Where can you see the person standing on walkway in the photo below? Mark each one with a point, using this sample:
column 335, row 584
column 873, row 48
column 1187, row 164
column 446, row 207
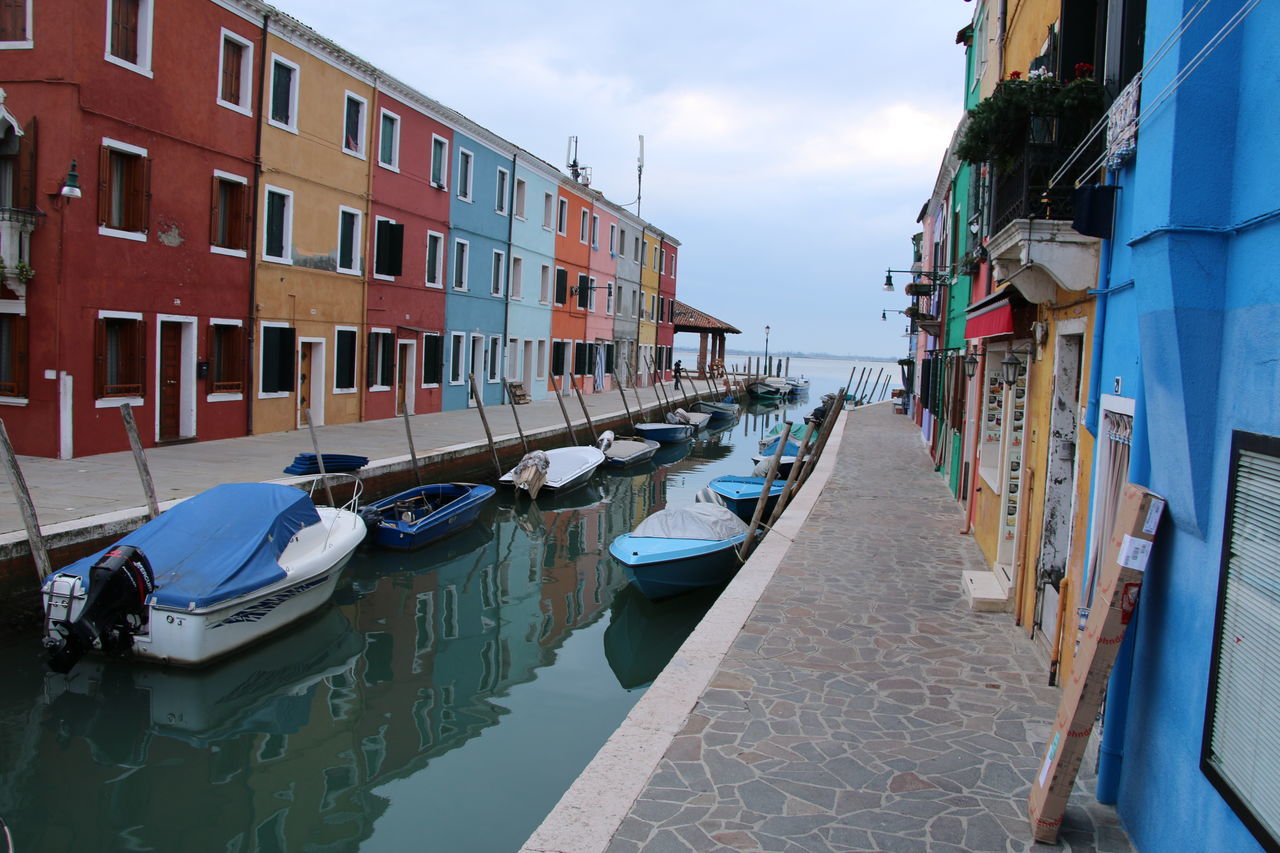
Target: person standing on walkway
column 678, row 371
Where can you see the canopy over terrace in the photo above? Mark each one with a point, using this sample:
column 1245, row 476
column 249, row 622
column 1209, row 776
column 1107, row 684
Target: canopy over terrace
column 690, row 319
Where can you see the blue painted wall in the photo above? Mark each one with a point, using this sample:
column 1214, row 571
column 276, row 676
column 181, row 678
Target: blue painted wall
column 1194, row 340
column 528, row 318
column 476, row 310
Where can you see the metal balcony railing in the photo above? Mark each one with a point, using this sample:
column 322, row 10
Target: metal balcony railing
column 1022, row 191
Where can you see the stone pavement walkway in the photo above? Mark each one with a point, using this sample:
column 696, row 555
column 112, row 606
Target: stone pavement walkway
column 862, row 706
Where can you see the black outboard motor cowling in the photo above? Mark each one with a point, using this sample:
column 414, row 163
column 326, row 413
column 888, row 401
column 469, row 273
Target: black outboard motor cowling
column 114, row 609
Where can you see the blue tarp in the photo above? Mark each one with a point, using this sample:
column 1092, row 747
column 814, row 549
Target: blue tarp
column 791, row 449
column 218, row 545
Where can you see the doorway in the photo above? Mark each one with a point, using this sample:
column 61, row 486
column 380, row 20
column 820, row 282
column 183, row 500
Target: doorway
column 175, row 380
column 476, row 379
column 311, row 380
column 404, row 377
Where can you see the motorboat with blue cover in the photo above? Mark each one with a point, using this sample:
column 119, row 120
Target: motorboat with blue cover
column 215, row 572
column 797, row 432
column 665, row 433
column 621, row 451
column 741, row 494
column 681, row 548
column 424, row 514
column 557, row 470
column 789, row 454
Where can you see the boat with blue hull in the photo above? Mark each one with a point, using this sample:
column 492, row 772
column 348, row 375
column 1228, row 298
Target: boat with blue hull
column 680, row 549
column 721, row 410
column 742, row 494
column 665, row 433
column 559, row 469
column 424, row 514
column 622, row 451
column 214, row 573
column 761, row 390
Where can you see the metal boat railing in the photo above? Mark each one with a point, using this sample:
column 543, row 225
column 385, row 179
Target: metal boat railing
column 327, row 481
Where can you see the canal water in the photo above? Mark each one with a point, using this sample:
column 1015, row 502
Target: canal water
column 443, row 701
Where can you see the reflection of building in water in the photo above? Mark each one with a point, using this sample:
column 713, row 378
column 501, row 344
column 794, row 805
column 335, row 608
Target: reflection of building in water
column 285, row 747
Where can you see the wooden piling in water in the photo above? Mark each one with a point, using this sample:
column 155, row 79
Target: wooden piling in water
column 514, row 414
column 493, row 448
column 789, row 488
column 39, row 553
column 749, row 543
column 315, row 446
column 622, row 393
column 595, row 439
column 560, row 399
column 140, row 459
column 413, row 454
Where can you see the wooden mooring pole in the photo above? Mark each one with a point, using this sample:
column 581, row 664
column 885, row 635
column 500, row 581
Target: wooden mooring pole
column 413, row 454
column 484, row 419
column 315, row 445
column 560, row 399
column 622, row 393
column 511, row 398
column 749, row 543
column 595, row 439
column 140, row 459
column 39, row 553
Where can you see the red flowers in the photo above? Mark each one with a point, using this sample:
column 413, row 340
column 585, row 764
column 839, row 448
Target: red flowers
column 1084, row 69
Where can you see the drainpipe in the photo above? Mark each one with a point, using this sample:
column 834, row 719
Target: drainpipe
column 979, row 377
column 252, row 337
column 506, row 314
column 1099, row 328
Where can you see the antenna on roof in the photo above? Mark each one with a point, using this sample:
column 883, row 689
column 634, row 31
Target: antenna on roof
column 580, row 173
column 639, row 174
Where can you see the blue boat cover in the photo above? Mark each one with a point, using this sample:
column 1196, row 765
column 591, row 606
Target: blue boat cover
column 218, row 545
column 791, row 449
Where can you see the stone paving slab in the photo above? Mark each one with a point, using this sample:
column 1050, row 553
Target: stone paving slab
column 862, row 705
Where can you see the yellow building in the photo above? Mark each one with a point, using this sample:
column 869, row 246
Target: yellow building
column 313, row 215
column 648, row 332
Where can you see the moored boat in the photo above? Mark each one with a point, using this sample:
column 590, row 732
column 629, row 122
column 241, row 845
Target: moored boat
column 723, row 410
column 621, row 451
column 681, row 548
column 214, row 573
column 424, row 514
column 665, row 433
column 762, row 390
column 558, row 469
column 742, row 494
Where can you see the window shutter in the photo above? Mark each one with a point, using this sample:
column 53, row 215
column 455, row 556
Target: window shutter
column 18, row 347
column 562, row 286
column 388, row 359
column 557, row 358
column 215, row 213
column 244, row 218
column 140, row 356
column 284, row 366
column 104, row 185
column 371, row 360
column 235, row 356
column 395, row 241
column 24, row 196
column 99, row 357
column 584, row 292
column 579, row 359
column 144, row 199
column 608, row 358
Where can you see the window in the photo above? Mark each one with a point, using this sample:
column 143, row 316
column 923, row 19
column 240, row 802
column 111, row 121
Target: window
column 381, row 359
column 120, row 356
column 548, row 210
column 562, row 216
column 613, row 239
column 389, row 141
column 663, row 268
column 226, row 357
column 595, row 231
column 673, row 264
column 591, row 295
column 123, row 202
column 562, row 286
column 517, row 277
column 435, row 259
column 581, row 359
column 642, row 256
column 655, row 257
column 492, row 358
column 544, row 284
column 521, row 188
column 129, row 34
column 608, row 305
column 439, row 161
column 662, row 308
column 284, row 94
column 349, row 240
column 432, row 359
column 236, row 72
column 229, row 220
column 455, row 358
column 584, row 292
column 584, row 226
column 344, row 360
column 277, row 229
column 1239, row 746
column 542, row 360
column 388, row 248
column 15, row 23
column 460, row 251
column 636, row 251
column 353, row 125
column 13, row 355
column 558, row 357
column 496, row 273
column 513, row 359
column 465, row 160
column 500, row 200
column 277, row 360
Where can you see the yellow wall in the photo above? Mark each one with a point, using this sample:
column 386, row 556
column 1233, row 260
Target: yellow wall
column 1027, row 25
column 648, row 333
column 311, row 164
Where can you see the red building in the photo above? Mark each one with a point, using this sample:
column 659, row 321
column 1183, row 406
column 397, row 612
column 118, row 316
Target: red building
column 666, row 249
column 136, row 289
column 407, row 257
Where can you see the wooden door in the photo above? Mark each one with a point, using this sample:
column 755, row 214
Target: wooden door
column 170, row 381
column 304, row 383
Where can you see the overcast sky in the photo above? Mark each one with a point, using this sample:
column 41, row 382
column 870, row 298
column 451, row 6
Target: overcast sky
column 789, row 147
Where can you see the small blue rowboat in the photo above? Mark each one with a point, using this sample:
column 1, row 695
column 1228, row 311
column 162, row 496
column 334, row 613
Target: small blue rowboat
column 741, row 494
column 725, row 410
column 665, row 433
column 760, row 390
column 424, row 514
column 679, row 549
column 788, row 459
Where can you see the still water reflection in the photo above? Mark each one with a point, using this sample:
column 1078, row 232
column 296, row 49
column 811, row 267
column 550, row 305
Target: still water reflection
column 443, row 701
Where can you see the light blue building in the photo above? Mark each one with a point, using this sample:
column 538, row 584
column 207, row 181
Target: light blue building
column 532, row 273
column 476, row 284
column 1185, row 380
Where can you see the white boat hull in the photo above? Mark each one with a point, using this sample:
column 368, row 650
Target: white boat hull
column 313, row 562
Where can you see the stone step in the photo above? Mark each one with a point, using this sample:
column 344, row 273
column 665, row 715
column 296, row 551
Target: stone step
column 984, row 592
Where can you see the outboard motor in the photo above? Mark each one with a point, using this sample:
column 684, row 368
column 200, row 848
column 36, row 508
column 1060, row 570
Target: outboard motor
column 115, row 608
column 606, row 441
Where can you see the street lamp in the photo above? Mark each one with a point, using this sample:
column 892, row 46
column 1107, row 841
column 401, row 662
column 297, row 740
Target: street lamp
column 766, row 351
column 970, row 366
column 936, row 278
column 1010, row 367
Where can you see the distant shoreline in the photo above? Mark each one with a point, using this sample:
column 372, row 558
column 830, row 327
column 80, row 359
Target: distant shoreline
column 753, row 353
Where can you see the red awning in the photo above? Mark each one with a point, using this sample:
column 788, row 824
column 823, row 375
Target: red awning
column 989, row 322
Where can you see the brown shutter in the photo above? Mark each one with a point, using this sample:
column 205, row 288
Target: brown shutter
column 104, row 185
column 244, row 218
column 99, row 357
column 19, row 328
column 215, row 209
column 144, row 220
column 25, row 194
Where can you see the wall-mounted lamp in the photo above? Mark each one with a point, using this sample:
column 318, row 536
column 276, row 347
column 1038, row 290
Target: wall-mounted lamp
column 884, row 313
column 970, row 366
column 71, row 186
column 934, row 277
column 1011, row 367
